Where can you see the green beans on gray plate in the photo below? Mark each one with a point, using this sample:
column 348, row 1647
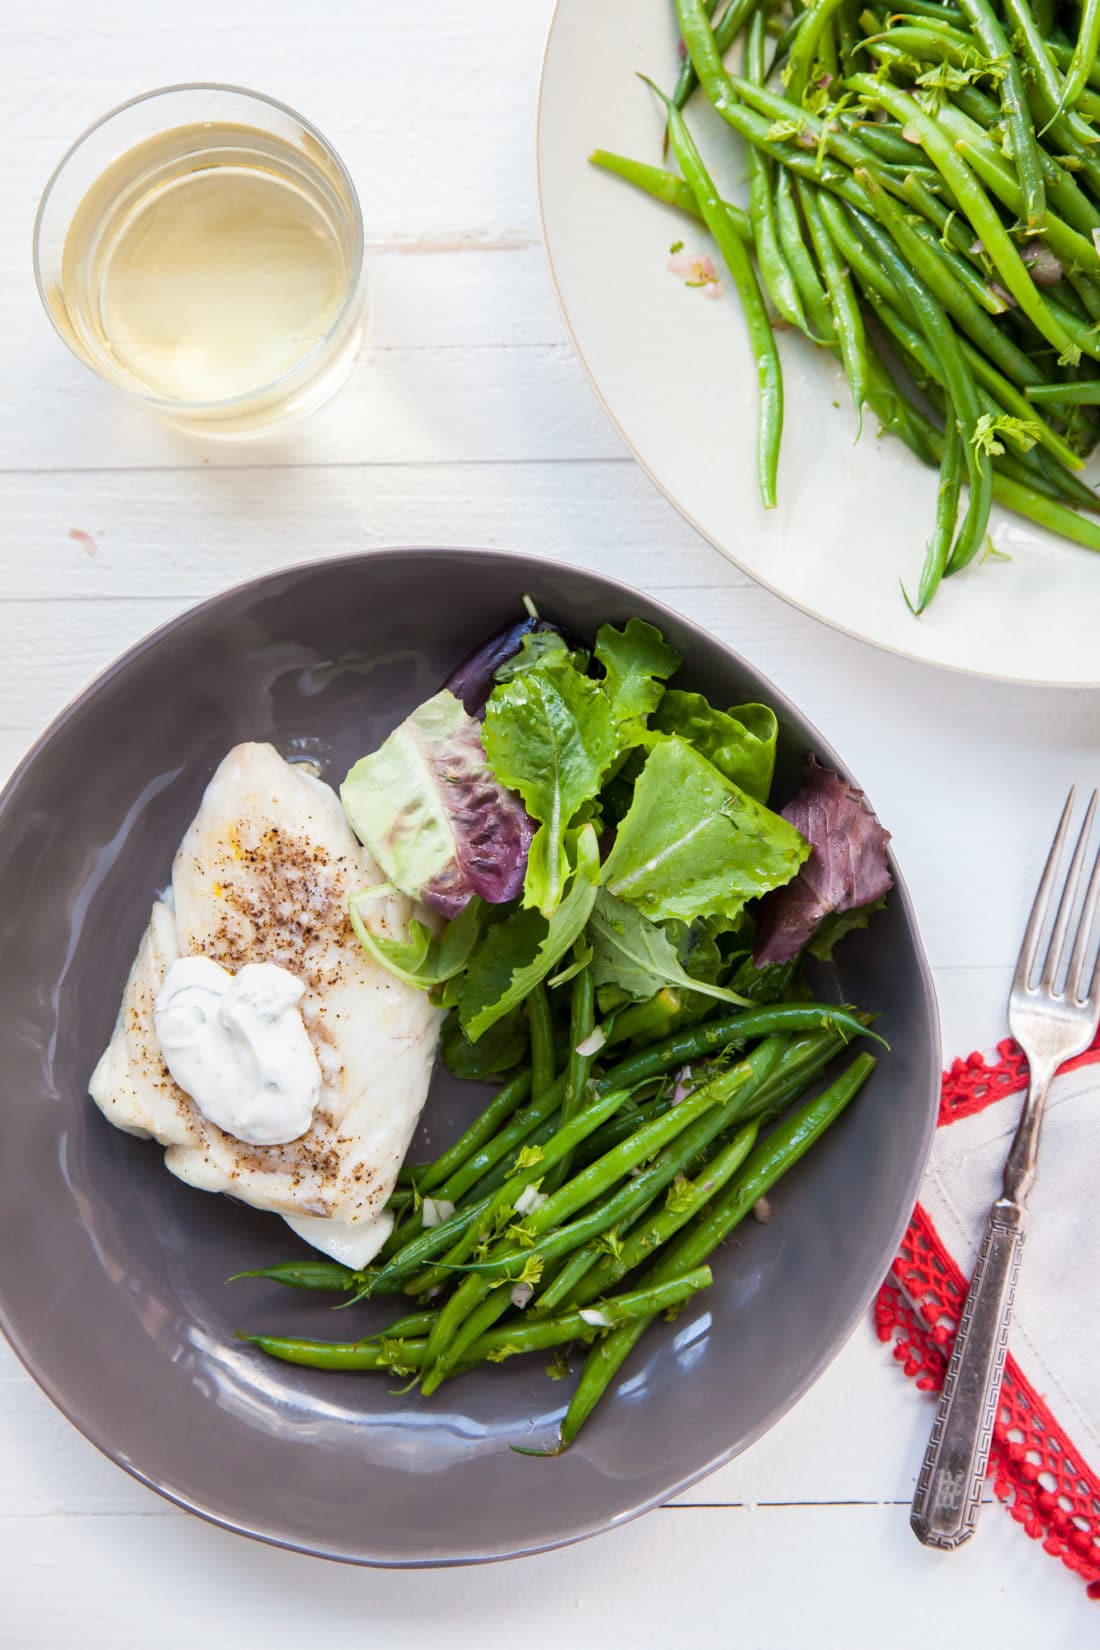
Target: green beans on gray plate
column 513, row 1270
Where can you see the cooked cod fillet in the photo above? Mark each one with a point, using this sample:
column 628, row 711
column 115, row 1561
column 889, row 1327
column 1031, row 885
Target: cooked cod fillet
column 263, row 875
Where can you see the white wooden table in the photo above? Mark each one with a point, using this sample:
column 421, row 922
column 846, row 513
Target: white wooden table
column 468, row 421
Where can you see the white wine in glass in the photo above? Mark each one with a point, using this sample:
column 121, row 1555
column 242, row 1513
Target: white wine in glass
column 211, row 267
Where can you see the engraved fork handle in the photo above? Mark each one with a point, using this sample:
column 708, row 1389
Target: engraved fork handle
column 949, row 1489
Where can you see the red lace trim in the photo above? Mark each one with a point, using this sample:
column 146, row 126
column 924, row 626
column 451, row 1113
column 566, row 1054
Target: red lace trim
column 971, row 1085
column 1045, row 1482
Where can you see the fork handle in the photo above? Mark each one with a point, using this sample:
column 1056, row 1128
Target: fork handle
column 949, row 1489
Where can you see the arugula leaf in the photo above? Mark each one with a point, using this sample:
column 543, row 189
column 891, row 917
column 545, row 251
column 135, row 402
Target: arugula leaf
column 694, row 845
column 637, row 660
column 740, row 742
column 437, row 821
column 420, row 959
column 549, row 735
column 520, row 951
column 633, row 953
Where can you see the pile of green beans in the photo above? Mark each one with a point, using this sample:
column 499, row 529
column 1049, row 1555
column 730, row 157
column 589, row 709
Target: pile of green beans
column 631, row 1161
column 924, row 202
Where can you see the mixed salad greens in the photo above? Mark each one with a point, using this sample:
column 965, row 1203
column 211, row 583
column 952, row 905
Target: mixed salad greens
column 615, row 919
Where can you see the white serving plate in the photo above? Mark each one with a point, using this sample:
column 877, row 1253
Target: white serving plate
column 675, row 374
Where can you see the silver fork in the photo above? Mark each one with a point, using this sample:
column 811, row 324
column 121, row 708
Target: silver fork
column 1052, row 1020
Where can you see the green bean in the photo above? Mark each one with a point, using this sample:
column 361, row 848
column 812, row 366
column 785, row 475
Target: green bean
column 931, row 43
column 975, row 203
column 947, row 514
column 761, row 338
column 667, row 187
column 680, row 1049
column 946, row 17
column 1049, row 92
column 827, row 136
column 686, row 80
column 726, row 30
column 1086, row 289
column 1086, row 394
column 958, row 379
column 406, row 1355
column 785, row 41
column 842, row 300
column 1063, row 56
column 731, row 1031
column 895, row 413
column 800, row 261
column 771, row 1159
column 306, row 1274
column 878, row 283
column 976, row 148
column 525, row 1174
column 884, row 141
column 467, row 1313
column 502, row 1106
column 1046, row 512
column 774, row 269
column 806, row 45
column 847, row 33
column 541, row 1027
column 619, row 1127
column 964, row 272
column 562, row 1284
column 416, row 1251
column 953, row 232
column 1083, row 334
column 1013, row 98
column 582, row 1023
column 646, row 1182
column 649, row 1233
column 644, row 1019
column 507, row 1139
column 728, row 94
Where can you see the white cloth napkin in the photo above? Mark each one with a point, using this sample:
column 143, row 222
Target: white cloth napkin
column 1046, row 1454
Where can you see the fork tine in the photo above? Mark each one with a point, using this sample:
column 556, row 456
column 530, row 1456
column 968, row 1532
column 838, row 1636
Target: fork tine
column 1075, row 979
column 1030, row 948
column 1057, row 947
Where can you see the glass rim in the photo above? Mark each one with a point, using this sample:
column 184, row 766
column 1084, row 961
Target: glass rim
column 226, row 403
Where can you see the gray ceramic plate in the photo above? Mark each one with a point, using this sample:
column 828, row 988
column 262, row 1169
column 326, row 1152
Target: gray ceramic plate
column 112, row 1273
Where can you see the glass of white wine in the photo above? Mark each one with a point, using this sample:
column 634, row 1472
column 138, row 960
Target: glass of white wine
column 201, row 246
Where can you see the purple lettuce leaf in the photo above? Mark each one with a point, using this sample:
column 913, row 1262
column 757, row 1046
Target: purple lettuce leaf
column 846, row 870
column 440, row 825
column 472, row 682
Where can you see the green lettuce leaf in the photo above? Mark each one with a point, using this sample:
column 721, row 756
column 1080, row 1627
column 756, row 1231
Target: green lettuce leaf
column 634, row 954
column 540, row 648
column 694, row 845
column 740, row 741
column 420, row 960
column 555, row 735
column 520, row 951
column 636, row 661
column 550, row 736
column 502, row 1048
column 832, row 929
